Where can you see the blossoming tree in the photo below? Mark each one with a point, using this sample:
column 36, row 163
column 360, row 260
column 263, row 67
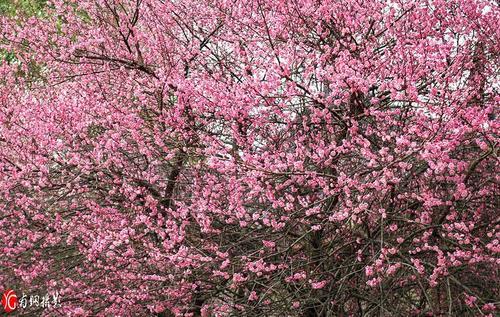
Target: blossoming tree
column 246, row 158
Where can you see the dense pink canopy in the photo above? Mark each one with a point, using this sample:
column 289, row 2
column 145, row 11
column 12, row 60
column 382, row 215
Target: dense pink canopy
column 252, row 158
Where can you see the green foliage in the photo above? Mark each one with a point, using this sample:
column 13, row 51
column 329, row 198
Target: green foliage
column 22, row 7
column 7, row 56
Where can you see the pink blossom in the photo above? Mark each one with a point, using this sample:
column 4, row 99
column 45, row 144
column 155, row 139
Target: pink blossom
column 318, row 285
